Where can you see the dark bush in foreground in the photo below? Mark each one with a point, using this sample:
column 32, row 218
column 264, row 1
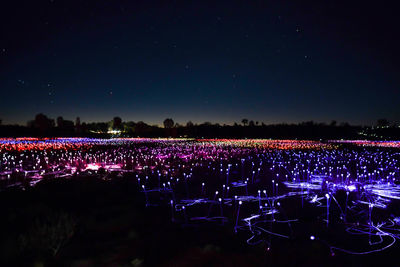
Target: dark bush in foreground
column 47, row 235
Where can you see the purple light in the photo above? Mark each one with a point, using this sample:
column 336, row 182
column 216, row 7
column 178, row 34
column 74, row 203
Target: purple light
column 305, row 171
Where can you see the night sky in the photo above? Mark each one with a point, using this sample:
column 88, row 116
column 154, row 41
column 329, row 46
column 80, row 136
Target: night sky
column 200, row 61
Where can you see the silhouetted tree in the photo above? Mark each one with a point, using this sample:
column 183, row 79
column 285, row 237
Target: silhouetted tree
column 60, row 122
column 382, row 122
column 307, row 123
column 333, row 123
column 141, row 128
column 83, row 128
column 68, row 125
column 98, row 127
column 43, row 123
column 78, row 127
column 308, row 130
column 116, row 123
column 129, row 127
column 168, row 123
column 30, row 124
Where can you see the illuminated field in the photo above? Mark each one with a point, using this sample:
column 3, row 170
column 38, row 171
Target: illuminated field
column 259, row 188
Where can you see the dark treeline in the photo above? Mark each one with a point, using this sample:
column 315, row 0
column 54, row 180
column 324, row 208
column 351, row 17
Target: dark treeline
column 42, row 126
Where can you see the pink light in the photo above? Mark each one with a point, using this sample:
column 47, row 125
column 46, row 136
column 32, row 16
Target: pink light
column 93, row 166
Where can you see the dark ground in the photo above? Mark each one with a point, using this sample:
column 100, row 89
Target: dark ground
column 114, row 228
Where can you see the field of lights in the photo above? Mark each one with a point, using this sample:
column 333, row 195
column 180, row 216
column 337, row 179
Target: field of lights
column 340, row 193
